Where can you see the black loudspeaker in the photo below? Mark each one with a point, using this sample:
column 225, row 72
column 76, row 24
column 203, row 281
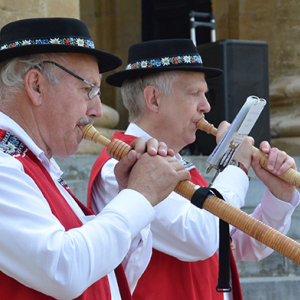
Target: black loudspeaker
column 245, row 66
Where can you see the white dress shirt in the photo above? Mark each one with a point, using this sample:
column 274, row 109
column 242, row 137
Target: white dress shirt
column 188, row 233
column 38, row 252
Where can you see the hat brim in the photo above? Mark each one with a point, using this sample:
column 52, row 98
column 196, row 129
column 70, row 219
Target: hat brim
column 106, row 61
column 117, row 79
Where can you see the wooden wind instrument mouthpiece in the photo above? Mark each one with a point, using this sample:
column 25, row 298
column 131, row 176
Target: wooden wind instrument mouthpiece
column 90, row 133
column 115, row 148
column 203, row 125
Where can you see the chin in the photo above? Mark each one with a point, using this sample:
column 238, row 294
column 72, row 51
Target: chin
column 68, row 152
column 193, row 138
column 188, row 142
column 73, row 150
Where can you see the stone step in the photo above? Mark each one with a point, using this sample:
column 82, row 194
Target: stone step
column 273, row 265
column 271, row 288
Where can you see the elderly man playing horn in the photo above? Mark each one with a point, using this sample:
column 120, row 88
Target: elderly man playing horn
column 52, row 246
column 163, row 88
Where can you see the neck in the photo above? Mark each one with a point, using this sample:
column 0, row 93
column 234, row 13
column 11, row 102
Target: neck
column 155, row 131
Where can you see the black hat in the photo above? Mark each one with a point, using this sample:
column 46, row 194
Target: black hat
column 161, row 56
column 52, row 35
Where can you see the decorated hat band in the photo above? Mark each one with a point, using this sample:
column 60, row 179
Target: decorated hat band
column 165, row 61
column 71, row 41
column 156, row 56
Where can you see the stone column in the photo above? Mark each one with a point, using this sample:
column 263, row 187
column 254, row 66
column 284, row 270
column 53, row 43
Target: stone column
column 277, row 23
column 115, row 26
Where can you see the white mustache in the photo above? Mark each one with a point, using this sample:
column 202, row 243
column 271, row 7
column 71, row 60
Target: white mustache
column 85, row 121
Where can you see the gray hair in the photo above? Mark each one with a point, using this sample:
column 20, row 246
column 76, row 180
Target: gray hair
column 12, row 73
column 133, row 91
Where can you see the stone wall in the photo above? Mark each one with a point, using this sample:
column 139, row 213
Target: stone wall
column 12, row 10
column 277, row 23
column 115, row 26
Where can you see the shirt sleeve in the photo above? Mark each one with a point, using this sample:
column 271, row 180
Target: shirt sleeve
column 138, row 256
column 38, row 252
column 233, row 184
column 274, row 213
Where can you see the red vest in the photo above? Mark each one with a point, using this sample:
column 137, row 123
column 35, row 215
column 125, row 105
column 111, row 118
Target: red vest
column 9, row 287
column 166, row 277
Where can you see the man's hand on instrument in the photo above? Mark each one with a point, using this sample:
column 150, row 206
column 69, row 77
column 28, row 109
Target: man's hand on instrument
column 156, row 177
column 244, row 152
column 278, row 163
column 222, row 129
column 145, row 177
column 152, row 147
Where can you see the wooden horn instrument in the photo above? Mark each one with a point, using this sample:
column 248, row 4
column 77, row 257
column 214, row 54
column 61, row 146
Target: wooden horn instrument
column 225, row 211
column 291, row 176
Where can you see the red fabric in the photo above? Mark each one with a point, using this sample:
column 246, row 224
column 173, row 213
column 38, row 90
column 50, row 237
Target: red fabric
column 101, row 160
column 169, row 278
column 12, row 289
column 166, row 277
column 123, row 283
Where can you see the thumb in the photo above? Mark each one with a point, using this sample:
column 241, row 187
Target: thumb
column 126, row 163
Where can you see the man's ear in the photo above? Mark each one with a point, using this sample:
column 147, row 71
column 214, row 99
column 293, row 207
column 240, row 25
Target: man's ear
column 151, row 95
column 33, row 80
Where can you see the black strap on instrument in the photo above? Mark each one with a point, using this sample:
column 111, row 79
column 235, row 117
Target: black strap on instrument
column 198, row 199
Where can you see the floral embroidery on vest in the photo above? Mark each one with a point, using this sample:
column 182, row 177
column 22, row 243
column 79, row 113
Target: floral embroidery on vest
column 9, row 144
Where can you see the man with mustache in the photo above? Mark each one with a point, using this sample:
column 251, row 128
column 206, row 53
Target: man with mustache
column 52, row 246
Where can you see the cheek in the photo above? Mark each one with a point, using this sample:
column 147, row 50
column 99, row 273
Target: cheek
column 72, row 111
column 69, row 100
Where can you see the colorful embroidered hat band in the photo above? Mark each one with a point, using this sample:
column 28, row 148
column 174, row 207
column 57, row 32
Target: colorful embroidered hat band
column 71, row 41
column 165, row 61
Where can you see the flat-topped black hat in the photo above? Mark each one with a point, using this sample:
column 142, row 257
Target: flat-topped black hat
column 52, row 35
column 161, row 56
